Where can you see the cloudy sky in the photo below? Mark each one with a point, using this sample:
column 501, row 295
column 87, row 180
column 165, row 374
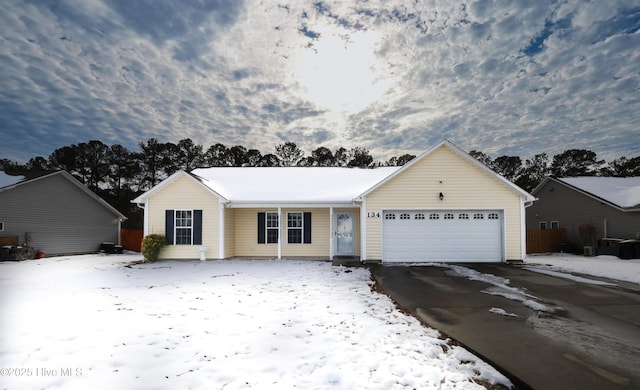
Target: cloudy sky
column 504, row 77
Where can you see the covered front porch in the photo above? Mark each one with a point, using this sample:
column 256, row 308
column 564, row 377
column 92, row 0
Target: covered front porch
column 292, row 232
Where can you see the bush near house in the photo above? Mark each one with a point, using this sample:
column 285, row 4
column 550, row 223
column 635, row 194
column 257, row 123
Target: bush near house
column 151, row 246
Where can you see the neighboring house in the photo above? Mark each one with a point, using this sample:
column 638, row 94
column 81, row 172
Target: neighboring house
column 589, row 208
column 443, row 205
column 56, row 213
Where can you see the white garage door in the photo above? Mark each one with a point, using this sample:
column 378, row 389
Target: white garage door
column 442, row 236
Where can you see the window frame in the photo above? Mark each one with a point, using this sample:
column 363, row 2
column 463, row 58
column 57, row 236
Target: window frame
column 267, row 238
column 555, row 224
column 1, row 226
column 295, row 228
column 542, row 225
column 177, row 227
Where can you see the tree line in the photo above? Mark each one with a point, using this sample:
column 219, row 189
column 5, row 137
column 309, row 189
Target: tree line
column 118, row 174
column 570, row 163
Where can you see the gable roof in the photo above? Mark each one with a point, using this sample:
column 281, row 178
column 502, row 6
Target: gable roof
column 13, row 183
column 291, row 184
column 620, row 192
column 142, row 198
column 248, row 186
column 528, row 198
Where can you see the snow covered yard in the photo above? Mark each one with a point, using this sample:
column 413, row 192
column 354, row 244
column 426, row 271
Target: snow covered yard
column 92, row 322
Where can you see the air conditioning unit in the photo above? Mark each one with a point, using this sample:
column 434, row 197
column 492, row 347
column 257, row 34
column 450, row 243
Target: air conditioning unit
column 588, row 251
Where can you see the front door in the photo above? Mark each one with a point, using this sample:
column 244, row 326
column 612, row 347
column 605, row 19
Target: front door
column 344, row 229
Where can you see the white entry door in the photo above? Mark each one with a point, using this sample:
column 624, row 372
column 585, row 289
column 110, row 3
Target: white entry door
column 344, row 233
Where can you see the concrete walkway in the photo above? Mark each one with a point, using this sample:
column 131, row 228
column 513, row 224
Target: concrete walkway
column 580, row 335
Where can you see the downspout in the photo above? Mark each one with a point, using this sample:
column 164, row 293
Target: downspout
column 605, row 229
column 331, row 233
column 145, row 219
column 279, row 232
column 119, row 231
column 523, row 230
column 221, row 230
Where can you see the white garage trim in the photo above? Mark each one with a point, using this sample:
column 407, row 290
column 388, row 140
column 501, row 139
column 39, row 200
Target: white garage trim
column 473, row 235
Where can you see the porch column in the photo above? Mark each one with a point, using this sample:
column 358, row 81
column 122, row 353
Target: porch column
column 331, row 233
column 220, row 230
column 279, row 233
column 363, row 231
column 145, row 226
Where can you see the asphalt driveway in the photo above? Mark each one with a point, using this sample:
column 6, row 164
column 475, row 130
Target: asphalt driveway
column 545, row 332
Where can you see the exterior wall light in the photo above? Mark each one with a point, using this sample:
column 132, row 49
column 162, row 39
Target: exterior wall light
column 441, row 196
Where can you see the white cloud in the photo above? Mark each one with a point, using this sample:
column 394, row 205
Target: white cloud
column 497, row 76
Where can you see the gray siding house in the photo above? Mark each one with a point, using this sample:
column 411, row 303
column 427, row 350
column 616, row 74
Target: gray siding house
column 609, row 207
column 57, row 214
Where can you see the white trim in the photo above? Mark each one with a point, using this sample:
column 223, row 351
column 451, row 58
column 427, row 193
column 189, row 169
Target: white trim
column 279, row 233
column 353, row 231
column 331, row 233
column 145, row 225
column 363, row 231
column 293, row 205
column 301, row 228
column 458, row 151
column 175, row 227
column 220, row 230
column 523, row 230
column 143, row 198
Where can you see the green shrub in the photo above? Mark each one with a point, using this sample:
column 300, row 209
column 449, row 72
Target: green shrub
column 151, row 246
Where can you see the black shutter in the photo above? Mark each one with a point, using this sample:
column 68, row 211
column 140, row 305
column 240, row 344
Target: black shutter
column 307, row 228
column 197, row 227
column 262, row 222
column 168, row 226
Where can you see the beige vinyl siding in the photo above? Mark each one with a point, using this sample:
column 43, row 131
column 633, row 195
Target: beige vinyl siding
column 246, row 235
column 229, row 233
column 464, row 186
column 320, row 231
column 186, row 194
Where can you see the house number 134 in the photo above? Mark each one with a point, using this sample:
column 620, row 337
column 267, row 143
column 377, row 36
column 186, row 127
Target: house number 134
column 372, row 214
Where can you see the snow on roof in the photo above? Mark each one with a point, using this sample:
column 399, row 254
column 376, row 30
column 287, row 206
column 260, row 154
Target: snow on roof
column 291, row 184
column 621, row 191
column 8, row 180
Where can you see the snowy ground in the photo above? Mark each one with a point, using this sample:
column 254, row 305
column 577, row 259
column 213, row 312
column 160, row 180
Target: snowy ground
column 605, row 266
column 90, row 322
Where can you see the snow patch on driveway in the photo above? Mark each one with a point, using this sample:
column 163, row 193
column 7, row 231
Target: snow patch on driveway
column 501, row 288
column 502, row 312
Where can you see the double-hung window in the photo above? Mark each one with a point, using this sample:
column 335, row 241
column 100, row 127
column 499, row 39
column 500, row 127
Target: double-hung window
column 272, row 227
column 294, row 228
column 184, row 227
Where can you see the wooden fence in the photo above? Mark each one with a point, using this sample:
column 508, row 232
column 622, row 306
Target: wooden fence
column 131, row 239
column 545, row 240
